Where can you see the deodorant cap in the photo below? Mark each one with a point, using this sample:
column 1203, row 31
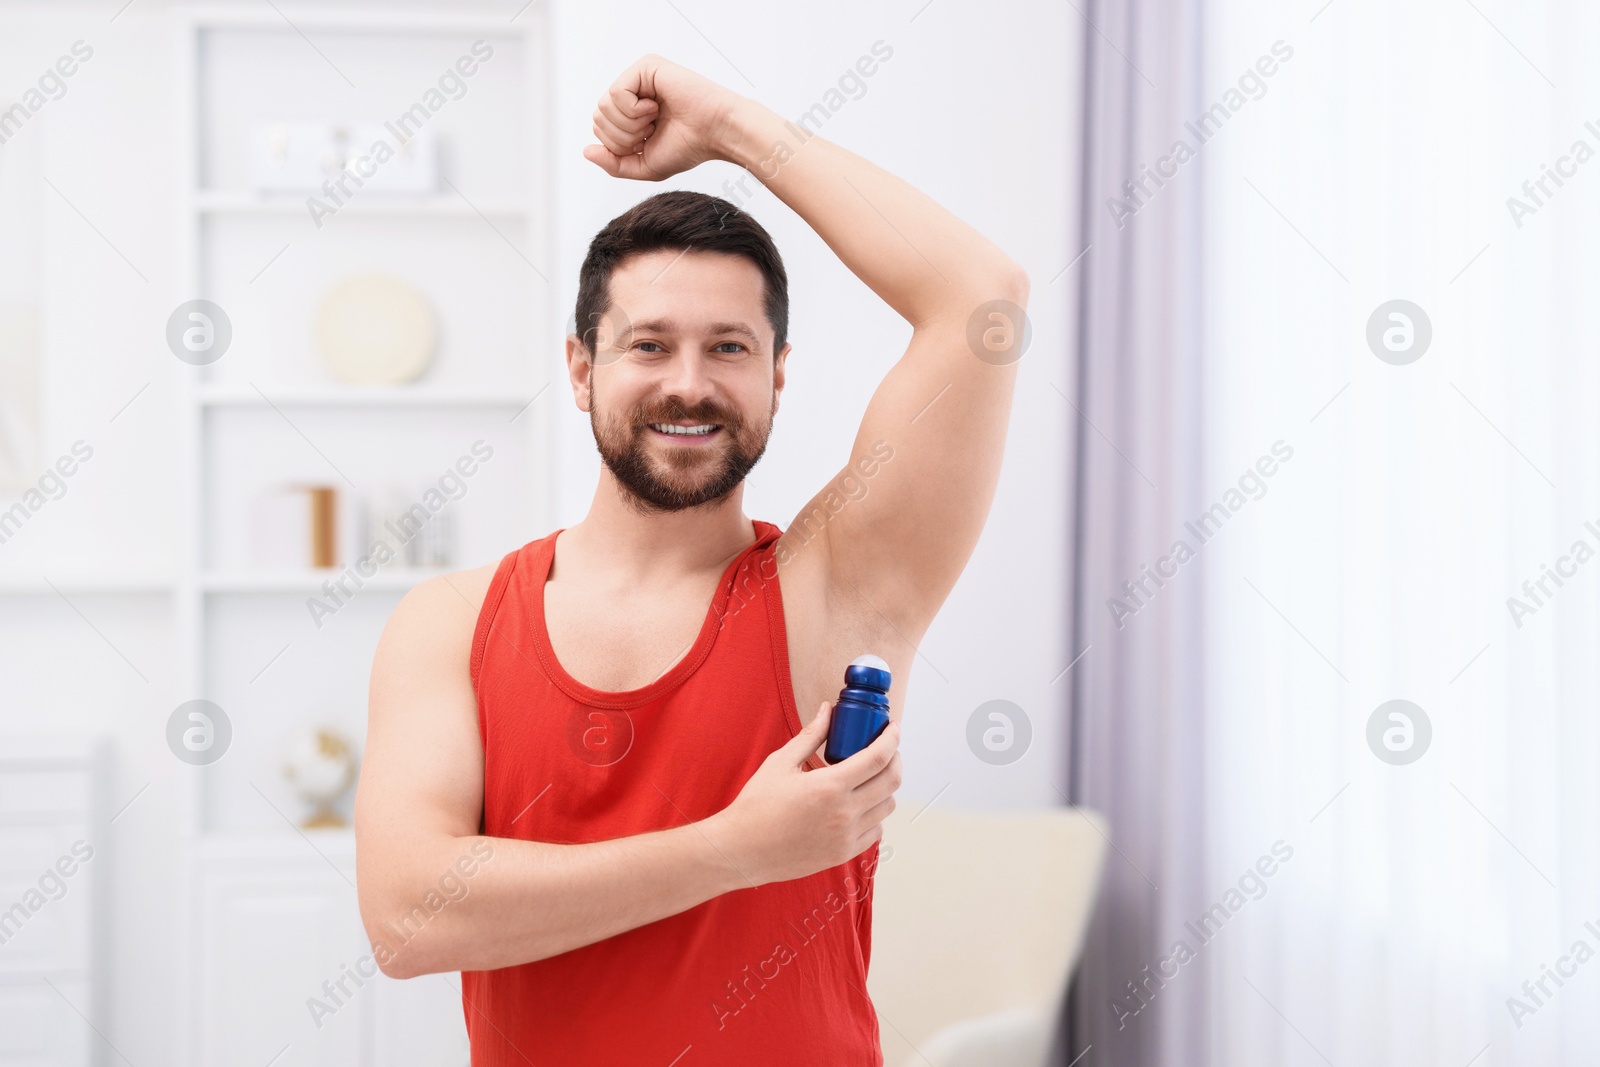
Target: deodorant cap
column 869, row 672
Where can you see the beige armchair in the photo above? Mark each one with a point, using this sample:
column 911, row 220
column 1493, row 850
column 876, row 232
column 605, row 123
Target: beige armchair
column 977, row 923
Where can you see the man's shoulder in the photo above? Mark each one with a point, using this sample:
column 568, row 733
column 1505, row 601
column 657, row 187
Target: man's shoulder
column 454, row 588
column 444, row 609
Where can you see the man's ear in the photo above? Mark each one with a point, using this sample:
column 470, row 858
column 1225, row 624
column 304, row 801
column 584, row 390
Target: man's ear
column 778, row 374
column 580, row 369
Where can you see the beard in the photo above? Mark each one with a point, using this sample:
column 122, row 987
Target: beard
column 683, row 477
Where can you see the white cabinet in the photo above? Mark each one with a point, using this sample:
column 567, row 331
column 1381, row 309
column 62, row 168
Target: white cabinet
column 419, row 1022
column 285, row 972
column 38, row 1027
column 52, row 867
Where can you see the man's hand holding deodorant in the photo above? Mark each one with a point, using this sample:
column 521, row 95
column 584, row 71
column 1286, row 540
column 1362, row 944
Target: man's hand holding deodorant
column 788, row 822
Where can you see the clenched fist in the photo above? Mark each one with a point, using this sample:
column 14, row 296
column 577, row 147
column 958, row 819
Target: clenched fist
column 659, row 119
column 788, row 822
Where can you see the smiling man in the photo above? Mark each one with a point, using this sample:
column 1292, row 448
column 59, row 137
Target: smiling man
column 612, row 733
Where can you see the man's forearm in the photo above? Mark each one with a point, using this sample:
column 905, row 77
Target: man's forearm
column 919, row 258
column 531, row 900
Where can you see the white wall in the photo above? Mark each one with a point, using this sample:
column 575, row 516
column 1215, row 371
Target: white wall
column 978, row 107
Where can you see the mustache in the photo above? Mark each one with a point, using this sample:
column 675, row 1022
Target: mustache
column 676, row 411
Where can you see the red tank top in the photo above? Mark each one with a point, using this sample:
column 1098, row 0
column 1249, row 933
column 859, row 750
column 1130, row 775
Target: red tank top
column 771, row 975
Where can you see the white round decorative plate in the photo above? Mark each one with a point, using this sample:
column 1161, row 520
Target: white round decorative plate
column 375, row 330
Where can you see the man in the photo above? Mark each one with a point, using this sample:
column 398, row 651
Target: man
column 590, row 782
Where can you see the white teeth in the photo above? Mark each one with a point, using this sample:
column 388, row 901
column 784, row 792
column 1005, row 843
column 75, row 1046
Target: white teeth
column 703, row 428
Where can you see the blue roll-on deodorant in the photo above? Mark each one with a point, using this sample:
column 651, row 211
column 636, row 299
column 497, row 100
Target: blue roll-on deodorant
column 862, row 710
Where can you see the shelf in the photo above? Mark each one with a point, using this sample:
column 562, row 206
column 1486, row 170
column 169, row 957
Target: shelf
column 355, row 20
column 310, row 582
column 372, row 203
column 88, row 584
column 361, row 396
column 285, row 843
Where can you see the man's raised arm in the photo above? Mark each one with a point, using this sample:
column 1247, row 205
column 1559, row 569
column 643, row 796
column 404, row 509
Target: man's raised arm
column 943, row 408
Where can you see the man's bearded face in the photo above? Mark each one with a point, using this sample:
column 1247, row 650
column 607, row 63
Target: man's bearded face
column 671, row 472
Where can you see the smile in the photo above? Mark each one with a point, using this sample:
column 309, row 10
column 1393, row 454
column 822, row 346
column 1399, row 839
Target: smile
column 687, row 434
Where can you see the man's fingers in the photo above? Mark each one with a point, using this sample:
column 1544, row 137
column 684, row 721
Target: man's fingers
column 811, row 736
column 601, row 157
column 882, row 784
column 620, row 141
column 630, row 166
column 818, row 726
column 868, row 839
column 872, row 759
column 878, row 812
column 638, row 82
column 630, row 107
column 630, row 127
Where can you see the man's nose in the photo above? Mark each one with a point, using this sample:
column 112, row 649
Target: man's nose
column 688, row 377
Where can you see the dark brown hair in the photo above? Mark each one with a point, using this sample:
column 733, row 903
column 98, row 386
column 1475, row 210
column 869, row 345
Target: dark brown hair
column 678, row 220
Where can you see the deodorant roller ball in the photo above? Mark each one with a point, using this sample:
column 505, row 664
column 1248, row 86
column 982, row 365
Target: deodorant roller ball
column 862, row 710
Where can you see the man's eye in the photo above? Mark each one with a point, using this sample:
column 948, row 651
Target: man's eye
column 734, row 344
column 642, row 345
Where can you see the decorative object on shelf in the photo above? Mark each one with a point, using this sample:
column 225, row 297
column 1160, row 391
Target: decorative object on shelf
column 436, row 546
column 406, row 165
column 324, row 523
column 297, row 526
column 416, row 534
column 293, row 157
column 375, row 330
column 307, row 157
column 321, row 765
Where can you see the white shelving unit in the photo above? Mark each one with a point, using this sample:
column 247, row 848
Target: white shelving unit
column 210, row 203
column 360, row 396
column 307, row 582
column 263, row 413
column 304, row 43
column 93, row 583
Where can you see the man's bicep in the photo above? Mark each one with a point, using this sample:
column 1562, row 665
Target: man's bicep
column 422, row 770
column 905, row 512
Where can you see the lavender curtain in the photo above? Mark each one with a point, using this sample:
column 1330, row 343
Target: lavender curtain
column 1135, row 738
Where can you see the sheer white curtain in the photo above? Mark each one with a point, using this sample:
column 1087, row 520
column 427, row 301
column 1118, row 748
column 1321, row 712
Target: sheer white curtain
column 1378, row 561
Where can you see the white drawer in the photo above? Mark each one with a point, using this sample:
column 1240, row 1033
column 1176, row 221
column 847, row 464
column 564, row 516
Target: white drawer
column 45, row 915
column 38, row 1028
column 29, row 849
column 36, row 793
